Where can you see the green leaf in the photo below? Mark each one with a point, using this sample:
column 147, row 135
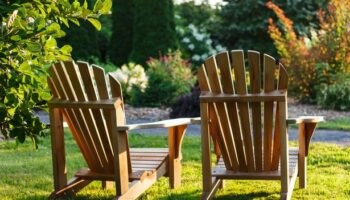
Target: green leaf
column 15, row 38
column 34, row 46
column 51, row 43
column 66, row 49
column 85, row 5
column 95, row 23
column 107, row 5
column 45, row 96
column 75, row 21
column 76, row 4
column 98, row 5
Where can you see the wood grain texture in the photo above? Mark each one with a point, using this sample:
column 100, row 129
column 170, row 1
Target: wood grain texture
column 223, row 62
column 241, row 88
column 215, row 126
column 62, row 84
column 215, row 84
column 269, row 85
column 282, row 85
column 77, row 89
column 255, row 87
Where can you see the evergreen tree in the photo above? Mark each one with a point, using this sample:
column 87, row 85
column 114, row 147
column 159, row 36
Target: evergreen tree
column 154, row 29
column 121, row 41
column 244, row 23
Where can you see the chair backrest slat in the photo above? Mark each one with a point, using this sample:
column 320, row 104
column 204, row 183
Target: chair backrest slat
column 247, row 143
column 241, row 88
column 101, row 126
column 62, row 85
column 78, row 89
column 282, row 85
column 223, row 62
column 90, row 127
column 269, row 85
column 255, row 88
column 215, row 127
column 222, row 115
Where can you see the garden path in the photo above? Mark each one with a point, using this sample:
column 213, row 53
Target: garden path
column 329, row 136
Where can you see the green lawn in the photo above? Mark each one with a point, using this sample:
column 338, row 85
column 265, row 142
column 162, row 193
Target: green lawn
column 339, row 124
column 26, row 173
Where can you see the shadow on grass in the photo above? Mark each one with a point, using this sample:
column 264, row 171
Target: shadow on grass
column 194, row 195
column 244, row 196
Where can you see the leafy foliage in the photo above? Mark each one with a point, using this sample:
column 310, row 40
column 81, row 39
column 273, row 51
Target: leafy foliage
column 314, row 61
column 28, row 45
column 85, row 41
column 131, row 76
column 337, row 95
column 154, row 29
column 187, row 105
column 122, row 36
column 168, row 78
column 194, row 25
column 243, row 24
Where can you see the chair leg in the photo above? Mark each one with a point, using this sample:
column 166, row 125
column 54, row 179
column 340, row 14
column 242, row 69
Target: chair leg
column 222, row 185
column 302, row 157
column 107, row 185
column 302, row 172
column 174, row 171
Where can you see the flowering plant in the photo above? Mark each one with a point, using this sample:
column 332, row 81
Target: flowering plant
column 196, row 43
column 131, row 75
column 314, row 61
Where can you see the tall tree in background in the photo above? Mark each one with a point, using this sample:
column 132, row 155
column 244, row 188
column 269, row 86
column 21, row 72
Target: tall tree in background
column 244, row 23
column 122, row 23
column 154, row 29
column 88, row 44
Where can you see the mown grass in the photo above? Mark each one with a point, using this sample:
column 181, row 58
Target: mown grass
column 26, row 173
column 339, row 124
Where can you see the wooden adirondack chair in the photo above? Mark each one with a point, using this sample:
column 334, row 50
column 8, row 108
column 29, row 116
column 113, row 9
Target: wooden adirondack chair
column 250, row 142
column 96, row 118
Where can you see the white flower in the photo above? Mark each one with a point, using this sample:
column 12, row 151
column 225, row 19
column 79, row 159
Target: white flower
column 191, row 46
column 204, row 56
column 196, row 57
column 199, row 36
column 209, row 42
column 185, row 40
column 307, row 42
column 121, row 77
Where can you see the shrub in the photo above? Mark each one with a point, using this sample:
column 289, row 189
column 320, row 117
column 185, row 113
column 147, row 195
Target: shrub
column 194, row 23
column 196, row 44
column 28, row 45
column 131, row 76
column 243, row 24
column 107, row 66
column 121, row 40
column 168, row 78
column 314, row 61
column 187, row 105
column 154, row 29
column 337, row 95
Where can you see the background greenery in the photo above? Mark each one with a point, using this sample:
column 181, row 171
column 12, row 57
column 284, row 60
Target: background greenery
column 28, row 45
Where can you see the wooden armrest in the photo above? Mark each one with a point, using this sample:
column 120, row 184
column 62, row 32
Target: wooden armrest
column 305, row 119
column 196, row 120
column 280, row 95
column 159, row 124
column 99, row 104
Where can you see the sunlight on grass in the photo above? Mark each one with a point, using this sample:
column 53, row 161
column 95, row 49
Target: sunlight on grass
column 26, row 173
column 339, row 124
